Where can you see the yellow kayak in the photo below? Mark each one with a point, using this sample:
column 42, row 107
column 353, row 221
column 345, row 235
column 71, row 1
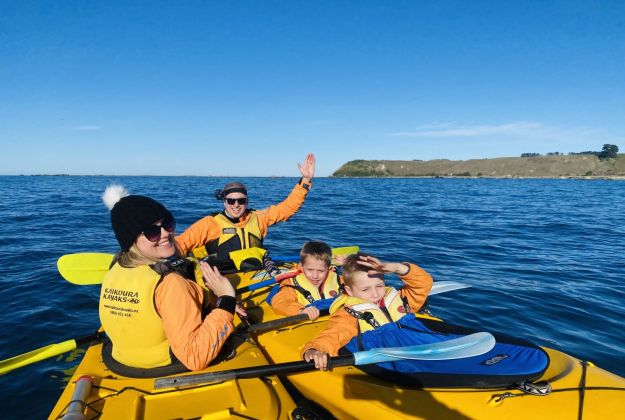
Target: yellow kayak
column 579, row 390
column 115, row 397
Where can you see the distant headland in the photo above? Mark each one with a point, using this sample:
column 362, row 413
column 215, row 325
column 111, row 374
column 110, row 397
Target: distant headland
column 529, row 166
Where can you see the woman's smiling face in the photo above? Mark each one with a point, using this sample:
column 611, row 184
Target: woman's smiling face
column 163, row 247
column 235, row 204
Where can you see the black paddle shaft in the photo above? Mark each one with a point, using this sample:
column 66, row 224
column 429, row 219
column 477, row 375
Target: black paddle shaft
column 249, row 372
column 281, row 322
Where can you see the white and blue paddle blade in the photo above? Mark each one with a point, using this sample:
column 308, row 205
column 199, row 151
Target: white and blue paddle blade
column 456, row 348
column 447, row 286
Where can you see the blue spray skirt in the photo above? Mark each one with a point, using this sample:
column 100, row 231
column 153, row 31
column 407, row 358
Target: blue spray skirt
column 510, row 361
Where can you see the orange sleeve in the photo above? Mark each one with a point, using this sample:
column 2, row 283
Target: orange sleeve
column 341, row 328
column 417, row 285
column 193, row 341
column 285, row 301
column 204, row 230
column 287, row 208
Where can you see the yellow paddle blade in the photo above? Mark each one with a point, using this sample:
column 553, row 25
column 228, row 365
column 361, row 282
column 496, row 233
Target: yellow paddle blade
column 84, row 268
column 243, row 254
column 36, row 355
column 339, row 254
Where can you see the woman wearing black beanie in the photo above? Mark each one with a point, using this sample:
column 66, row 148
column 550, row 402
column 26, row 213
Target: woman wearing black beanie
column 158, row 319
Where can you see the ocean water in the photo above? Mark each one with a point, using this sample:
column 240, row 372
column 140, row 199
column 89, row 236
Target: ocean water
column 544, row 257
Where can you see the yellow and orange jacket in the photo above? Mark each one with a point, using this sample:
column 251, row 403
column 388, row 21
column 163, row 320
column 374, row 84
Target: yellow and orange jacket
column 289, row 301
column 208, row 229
column 342, row 326
column 146, row 316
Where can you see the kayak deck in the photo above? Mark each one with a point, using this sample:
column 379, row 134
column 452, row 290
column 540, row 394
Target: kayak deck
column 350, row 393
column 115, row 397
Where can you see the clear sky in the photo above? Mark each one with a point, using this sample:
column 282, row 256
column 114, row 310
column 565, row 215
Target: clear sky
column 244, row 88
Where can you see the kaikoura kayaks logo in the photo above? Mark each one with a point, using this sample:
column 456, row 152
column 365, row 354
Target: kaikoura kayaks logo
column 124, row 296
column 495, row 359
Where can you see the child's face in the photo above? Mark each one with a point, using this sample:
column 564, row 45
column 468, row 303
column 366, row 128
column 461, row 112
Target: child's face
column 367, row 287
column 315, row 270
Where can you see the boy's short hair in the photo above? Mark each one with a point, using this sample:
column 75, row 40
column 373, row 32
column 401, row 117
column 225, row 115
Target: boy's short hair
column 351, row 266
column 318, row 250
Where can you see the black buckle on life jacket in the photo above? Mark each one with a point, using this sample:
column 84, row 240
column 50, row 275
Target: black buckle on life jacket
column 370, row 319
column 307, row 295
column 540, row 388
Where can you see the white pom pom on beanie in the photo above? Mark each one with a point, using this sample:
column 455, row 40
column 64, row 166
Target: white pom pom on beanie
column 131, row 214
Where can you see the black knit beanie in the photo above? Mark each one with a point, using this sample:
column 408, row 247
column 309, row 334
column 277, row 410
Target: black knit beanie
column 132, row 214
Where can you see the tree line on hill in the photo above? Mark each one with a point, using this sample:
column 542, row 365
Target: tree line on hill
column 609, row 151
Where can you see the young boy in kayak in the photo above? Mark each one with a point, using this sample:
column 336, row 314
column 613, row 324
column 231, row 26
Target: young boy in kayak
column 238, row 227
column 367, row 303
column 313, row 281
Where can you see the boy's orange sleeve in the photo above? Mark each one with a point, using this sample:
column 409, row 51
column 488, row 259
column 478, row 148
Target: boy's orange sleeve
column 284, row 210
column 417, row 285
column 341, row 328
column 199, row 233
column 195, row 342
column 285, row 301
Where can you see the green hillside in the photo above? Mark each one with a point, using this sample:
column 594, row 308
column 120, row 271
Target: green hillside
column 520, row 167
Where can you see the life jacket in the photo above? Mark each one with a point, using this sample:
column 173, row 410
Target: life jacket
column 231, row 238
column 129, row 316
column 308, row 293
column 370, row 316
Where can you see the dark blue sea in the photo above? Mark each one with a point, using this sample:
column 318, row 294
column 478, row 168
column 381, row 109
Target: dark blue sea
column 545, row 258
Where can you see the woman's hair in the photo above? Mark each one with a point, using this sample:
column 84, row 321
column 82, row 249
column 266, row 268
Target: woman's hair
column 134, row 258
column 230, row 187
column 351, row 266
column 318, row 250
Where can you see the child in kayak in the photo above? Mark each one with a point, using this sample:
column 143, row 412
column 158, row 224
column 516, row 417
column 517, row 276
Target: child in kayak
column 158, row 319
column 367, row 303
column 238, row 227
column 313, row 281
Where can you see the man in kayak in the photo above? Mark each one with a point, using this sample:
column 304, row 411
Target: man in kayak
column 368, row 303
column 238, row 227
column 313, row 281
column 158, row 319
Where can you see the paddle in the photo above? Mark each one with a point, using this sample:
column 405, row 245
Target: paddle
column 281, row 322
column 84, row 268
column 52, row 350
column 46, row 352
column 457, row 348
column 90, row 267
column 264, row 283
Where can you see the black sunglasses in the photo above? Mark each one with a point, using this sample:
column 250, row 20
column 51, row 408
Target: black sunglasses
column 153, row 233
column 241, row 201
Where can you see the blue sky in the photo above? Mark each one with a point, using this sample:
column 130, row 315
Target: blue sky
column 247, row 88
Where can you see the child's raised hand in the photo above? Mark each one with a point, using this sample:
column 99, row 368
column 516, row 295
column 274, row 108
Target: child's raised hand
column 311, row 311
column 378, row 266
column 320, row 358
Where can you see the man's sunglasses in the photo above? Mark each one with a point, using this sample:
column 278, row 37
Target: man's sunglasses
column 241, row 201
column 153, row 233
